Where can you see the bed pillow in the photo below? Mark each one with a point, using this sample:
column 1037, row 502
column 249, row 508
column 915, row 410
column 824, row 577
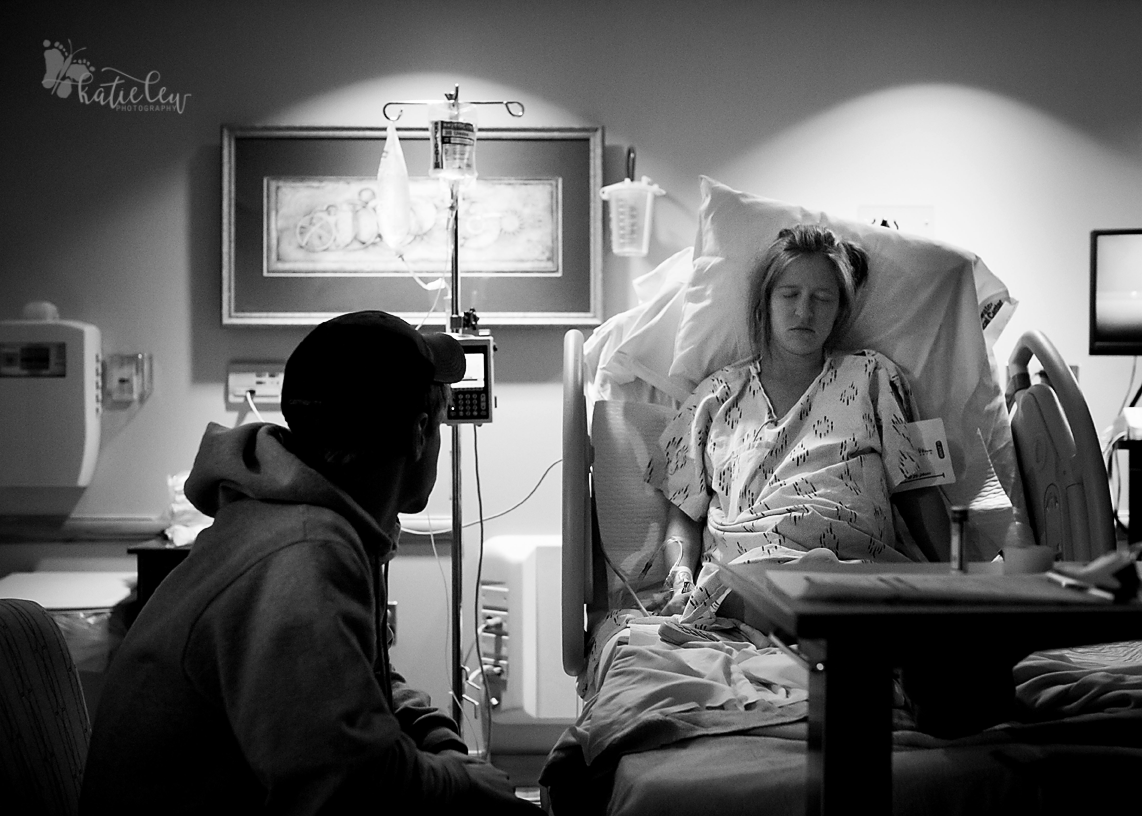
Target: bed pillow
column 626, row 357
column 921, row 307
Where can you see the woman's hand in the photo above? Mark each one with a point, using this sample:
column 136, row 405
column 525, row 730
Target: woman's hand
column 667, row 603
column 682, row 546
column 681, row 583
column 675, row 604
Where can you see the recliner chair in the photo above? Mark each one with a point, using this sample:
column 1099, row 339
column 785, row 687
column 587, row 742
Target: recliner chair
column 44, row 724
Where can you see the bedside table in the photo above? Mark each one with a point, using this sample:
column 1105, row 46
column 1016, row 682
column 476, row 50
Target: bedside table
column 155, row 560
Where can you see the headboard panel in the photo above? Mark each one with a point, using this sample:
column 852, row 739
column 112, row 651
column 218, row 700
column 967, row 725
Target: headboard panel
column 1064, row 477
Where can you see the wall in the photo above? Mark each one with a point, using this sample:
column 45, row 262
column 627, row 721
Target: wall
column 1019, row 123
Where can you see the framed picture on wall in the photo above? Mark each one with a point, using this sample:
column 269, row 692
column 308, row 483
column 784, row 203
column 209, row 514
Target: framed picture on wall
column 301, row 239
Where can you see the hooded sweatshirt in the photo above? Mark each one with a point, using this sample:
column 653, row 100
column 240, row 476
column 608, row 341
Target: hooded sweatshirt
column 253, row 680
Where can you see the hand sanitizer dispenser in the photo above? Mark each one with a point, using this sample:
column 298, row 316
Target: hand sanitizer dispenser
column 50, row 402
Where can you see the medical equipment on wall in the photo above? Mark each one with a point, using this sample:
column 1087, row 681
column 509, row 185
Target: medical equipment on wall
column 453, row 159
column 51, row 393
column 631, row 205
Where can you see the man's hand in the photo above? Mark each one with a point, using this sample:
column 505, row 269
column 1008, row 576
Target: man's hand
column 489, row 785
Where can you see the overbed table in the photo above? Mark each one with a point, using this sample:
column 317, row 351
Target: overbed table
column 853, row 646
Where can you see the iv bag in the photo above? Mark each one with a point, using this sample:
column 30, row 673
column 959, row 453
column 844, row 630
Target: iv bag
column 394, row 201
column 453, row 141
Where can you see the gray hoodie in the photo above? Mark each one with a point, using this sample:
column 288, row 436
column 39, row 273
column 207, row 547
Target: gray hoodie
column 253, row 680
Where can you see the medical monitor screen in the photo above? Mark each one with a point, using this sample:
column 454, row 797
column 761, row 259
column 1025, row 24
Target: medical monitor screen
column 1116, row 292
column 472, row 399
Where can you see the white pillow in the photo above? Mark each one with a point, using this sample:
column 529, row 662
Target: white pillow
column 628, row 357
column 921, row 307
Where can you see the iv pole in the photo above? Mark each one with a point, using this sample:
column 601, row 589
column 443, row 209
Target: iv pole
column 457, row 324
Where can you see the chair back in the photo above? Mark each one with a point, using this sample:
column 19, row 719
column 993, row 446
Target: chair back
column 44, row 725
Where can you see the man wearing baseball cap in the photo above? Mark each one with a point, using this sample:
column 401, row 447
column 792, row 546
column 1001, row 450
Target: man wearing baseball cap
column 257, row 678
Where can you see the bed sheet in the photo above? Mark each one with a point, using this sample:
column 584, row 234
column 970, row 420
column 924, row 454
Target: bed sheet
column 1081, row 718
column 649, row 692
column 1004, row 773
column 1104, row 678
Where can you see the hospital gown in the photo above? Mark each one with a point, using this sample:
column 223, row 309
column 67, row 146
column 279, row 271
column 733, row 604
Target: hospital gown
column 773, row 487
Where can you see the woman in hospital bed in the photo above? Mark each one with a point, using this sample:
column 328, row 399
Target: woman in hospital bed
column 795, row 453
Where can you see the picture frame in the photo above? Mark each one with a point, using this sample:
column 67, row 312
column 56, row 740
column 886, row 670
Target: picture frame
column 301, row 240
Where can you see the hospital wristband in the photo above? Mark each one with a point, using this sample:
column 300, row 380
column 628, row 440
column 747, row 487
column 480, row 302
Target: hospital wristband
column 680, row 579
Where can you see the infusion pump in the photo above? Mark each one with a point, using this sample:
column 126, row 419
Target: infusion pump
column 472, row 397
column 50, row 402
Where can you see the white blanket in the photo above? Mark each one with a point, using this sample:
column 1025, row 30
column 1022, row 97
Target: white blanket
column 659, row 693
column 1086, row 680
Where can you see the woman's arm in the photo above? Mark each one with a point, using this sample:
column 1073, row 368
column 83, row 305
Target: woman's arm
column 683, row 547
column 924, row 512
column 683, row 540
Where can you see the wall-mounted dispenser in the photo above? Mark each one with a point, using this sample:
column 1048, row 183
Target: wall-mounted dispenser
column 50, row 400
column 631, row 205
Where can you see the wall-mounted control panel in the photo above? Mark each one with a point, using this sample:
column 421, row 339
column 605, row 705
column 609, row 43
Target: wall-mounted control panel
column 262, row 381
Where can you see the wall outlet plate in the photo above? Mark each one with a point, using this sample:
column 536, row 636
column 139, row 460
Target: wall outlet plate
column 263, row 381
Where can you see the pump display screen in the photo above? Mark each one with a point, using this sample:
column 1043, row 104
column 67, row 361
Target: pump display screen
column 474, row 376
column 472, row 396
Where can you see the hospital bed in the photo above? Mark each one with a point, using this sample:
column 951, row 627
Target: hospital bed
column 1027, row 465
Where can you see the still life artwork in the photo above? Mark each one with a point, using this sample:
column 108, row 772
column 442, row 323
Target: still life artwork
column 331, row 226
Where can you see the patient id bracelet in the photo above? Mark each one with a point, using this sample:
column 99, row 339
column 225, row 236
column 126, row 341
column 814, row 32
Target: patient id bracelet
column 680, row 579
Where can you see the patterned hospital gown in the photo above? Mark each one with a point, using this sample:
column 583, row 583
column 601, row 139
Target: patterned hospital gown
column 820, row 476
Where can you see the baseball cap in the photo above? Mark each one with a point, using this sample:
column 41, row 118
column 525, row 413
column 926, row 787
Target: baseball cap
column 367, row 356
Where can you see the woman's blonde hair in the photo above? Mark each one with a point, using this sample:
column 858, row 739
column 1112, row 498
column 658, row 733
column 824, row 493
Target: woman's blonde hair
column 847, row 259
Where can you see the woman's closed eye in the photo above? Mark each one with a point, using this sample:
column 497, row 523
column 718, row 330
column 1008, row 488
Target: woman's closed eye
column 818, row 296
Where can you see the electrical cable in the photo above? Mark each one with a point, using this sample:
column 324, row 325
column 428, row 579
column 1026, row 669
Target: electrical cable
column 448, row 618
column 1129, row 385
column 486, row 707
column 431, row 309
column 1115, row 480
column 495, row 516
column 437, row 285
column 440, row 285
column 253, row 408
column 623, row 578
column 1113, row 474
column 484, row 710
